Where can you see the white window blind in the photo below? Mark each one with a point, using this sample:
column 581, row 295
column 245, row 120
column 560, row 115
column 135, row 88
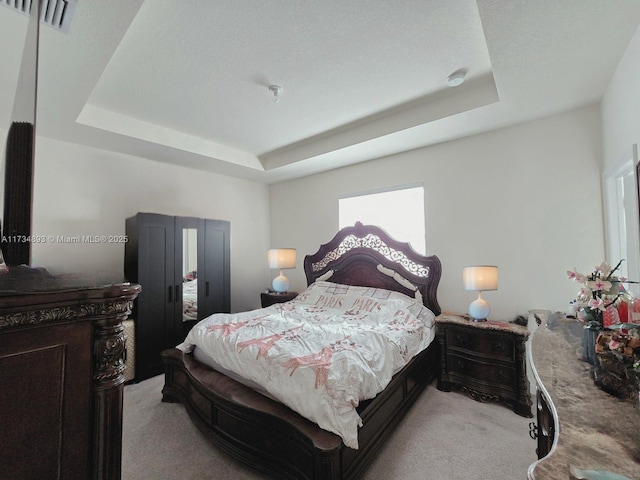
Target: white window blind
column 399, row 211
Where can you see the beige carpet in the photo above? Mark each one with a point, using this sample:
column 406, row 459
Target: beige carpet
column 446, row 436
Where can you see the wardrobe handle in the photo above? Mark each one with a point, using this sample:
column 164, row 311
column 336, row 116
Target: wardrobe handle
column 206, row 289
column 170, row 293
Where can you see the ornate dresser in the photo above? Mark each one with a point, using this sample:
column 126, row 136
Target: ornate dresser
column 582, row 431
column 485, row 359
column 61, row 376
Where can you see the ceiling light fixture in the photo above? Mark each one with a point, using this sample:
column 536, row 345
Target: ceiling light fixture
column 456, row 78
column 276, row 90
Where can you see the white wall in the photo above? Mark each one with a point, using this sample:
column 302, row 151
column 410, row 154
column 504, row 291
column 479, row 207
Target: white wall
column 526, row 198
column 86, row 191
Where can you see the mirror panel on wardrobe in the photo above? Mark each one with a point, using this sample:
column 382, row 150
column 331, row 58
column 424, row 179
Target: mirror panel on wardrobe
column 188, row 253
column 189, row 274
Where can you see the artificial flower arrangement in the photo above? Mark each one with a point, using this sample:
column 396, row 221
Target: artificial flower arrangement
column 602, row 300
column 604, row 303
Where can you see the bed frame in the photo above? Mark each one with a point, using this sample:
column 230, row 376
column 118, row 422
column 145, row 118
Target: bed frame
column 271, row 437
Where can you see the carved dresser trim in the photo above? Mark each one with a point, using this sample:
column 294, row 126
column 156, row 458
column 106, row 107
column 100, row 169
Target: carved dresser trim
column 81, row 329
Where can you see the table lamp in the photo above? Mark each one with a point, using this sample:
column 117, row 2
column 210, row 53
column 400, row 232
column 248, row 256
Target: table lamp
column 281, row 258
column 480, row 278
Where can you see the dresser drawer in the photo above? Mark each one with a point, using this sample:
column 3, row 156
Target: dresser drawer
column 497, row 346
column 488, row 373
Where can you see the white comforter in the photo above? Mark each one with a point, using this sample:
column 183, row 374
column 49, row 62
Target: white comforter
column 323, row 352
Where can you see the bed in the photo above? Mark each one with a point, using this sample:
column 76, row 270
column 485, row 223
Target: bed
column 258, row 429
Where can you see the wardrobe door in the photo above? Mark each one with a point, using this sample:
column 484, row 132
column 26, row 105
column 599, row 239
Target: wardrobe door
column 214, row 295
column 153, row 239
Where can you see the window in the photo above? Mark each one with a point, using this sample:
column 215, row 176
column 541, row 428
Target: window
column 399, row 211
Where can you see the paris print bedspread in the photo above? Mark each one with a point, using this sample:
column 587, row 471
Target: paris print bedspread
column 323, row 352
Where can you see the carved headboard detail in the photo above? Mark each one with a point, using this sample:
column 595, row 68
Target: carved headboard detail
column 366, row 255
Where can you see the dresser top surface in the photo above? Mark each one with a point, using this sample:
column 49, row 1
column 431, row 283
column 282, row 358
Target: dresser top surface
column 597, row 431
column 466, row 321
column 23, row 280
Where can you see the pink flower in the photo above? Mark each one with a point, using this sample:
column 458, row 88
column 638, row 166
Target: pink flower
column 596, row 304
column 575, row 276
column 583, row 296
column 604, row 268
column 598, row 284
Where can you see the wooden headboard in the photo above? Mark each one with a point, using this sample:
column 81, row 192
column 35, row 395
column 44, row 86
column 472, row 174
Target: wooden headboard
column 366, row 255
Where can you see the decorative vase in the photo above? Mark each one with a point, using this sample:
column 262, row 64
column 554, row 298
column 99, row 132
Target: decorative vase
column 589, row 336
column 589, row 316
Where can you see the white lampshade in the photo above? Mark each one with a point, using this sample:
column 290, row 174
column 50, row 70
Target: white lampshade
column 280, row 258
column 480, row 278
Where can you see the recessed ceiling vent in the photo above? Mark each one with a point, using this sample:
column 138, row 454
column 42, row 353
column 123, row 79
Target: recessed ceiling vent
column 55, row 13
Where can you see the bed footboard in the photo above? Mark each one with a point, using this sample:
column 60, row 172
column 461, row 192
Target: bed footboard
column 273, row 438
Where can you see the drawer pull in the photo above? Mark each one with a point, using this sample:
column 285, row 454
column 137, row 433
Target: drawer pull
column 460, row 364
column 499, row 347
column 502, row 375
column 461, row 340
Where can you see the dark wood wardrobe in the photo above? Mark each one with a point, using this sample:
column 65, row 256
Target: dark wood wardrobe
column 182, row 264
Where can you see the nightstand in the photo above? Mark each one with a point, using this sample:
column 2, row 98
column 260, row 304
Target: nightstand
column 269, row 298
column 484, row 359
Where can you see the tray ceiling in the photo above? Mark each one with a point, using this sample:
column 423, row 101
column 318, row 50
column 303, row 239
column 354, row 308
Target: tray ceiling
column 188, row 82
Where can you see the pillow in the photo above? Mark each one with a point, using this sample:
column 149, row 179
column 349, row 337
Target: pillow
column 349, row 297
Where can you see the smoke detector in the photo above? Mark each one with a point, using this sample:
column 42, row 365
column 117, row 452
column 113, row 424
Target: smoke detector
column 456, row 78
column 276, row 90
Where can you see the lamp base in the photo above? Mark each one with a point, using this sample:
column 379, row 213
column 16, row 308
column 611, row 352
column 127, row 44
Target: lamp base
column 479, row 309
column 280, row 284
